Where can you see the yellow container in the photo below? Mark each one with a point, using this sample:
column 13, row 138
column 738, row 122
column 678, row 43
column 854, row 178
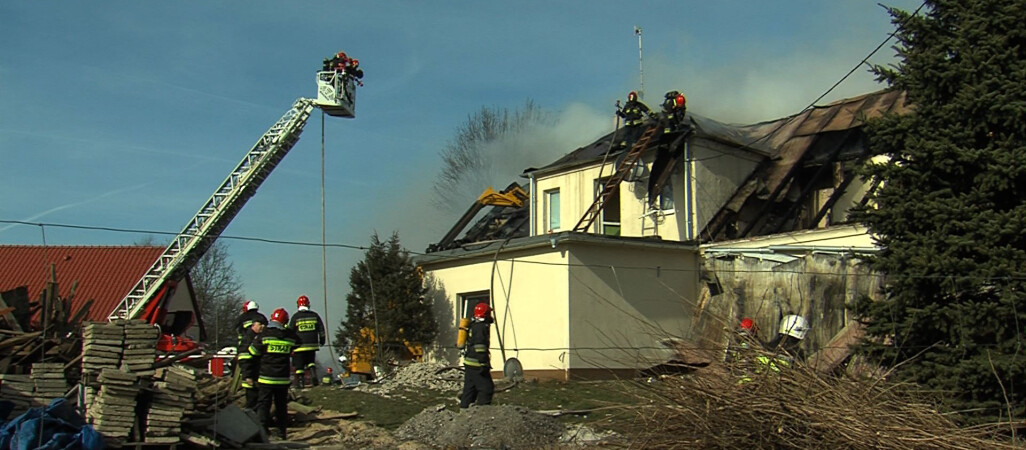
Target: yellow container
column 461, row 337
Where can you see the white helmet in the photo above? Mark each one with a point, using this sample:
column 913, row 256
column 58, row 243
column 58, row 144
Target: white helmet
column 250, row 306
column 794, row 326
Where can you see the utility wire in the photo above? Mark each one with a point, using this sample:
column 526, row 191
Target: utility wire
column 518, row 260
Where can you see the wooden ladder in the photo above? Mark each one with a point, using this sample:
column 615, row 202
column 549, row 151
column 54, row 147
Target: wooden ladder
column 613, row 181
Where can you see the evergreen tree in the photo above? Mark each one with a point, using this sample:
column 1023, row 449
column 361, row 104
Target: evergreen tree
column 951, row 213
column 386, row 296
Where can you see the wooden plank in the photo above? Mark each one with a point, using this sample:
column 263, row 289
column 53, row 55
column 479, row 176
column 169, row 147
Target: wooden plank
column 9, row 316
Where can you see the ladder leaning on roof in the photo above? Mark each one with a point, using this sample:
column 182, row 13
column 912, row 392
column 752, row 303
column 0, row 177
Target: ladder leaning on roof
column 619, row 174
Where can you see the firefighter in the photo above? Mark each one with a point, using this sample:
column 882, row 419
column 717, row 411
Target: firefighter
column 353, row 68
column 674, row 107
column 632, row 113
column 477, row 377
column 328, row 379
column 250, row 313
column 310, row 329
column 790, row 334
column 271, row 350
column 248, row 369
column 744, row 337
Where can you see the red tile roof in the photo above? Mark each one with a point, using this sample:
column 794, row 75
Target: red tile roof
column 104, row 273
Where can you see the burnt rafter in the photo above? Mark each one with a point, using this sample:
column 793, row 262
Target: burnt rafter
column 825, row 168
column 785, row 182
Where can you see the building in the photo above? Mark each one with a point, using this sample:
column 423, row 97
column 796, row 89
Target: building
column 714, row 222
column 98, row 276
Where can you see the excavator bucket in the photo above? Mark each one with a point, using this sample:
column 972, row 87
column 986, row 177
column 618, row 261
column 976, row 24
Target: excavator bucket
column 336, row 94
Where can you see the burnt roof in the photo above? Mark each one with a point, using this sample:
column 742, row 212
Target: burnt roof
column 740, row 136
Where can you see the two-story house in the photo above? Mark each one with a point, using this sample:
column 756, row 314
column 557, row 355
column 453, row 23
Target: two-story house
column 713, row 222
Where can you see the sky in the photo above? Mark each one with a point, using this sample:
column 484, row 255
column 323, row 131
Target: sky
column 127, row 114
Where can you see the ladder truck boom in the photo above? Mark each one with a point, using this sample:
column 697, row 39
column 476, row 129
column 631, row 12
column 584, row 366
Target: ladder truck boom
column 336, row 95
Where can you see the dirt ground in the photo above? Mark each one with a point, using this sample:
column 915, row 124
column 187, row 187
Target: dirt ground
column 510, row 423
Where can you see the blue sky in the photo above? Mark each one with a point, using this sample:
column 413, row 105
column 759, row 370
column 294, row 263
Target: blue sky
column 129, row 114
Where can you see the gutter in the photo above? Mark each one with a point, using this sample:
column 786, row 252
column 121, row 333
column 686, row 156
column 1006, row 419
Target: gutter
column 795, row 248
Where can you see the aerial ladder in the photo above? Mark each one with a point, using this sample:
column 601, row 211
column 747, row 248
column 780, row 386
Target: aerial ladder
column 336, row 96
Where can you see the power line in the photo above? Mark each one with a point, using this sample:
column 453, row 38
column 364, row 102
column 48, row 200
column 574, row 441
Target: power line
column 511, row 260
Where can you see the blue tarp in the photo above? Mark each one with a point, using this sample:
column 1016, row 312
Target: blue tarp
column 56, row 427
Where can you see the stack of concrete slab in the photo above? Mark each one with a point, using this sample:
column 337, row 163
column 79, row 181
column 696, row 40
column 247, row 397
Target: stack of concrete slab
column 173, row 389
column 113, row 411
column 18, row 390
column 101, row 346
column 49, row 382
column 140, row 347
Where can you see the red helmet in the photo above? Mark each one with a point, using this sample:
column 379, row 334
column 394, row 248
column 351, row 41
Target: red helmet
column 355, row 62
column 303, row 301
column 250, row 306
column 632, row 96
column 747, row 324
column 481, row 310
column 280, row 315
column 680, row 101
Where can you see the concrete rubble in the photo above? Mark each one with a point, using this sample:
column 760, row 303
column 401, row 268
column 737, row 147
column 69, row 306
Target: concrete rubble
column 419, row 375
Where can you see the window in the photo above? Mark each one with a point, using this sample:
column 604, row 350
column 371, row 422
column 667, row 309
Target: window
column 610, row 221
column 665, row 201
column 552, row 210
column 468, row 301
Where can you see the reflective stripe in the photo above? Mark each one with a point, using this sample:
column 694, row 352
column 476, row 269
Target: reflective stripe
column 274, row 380
column 247, row 385
column 472, row 362
column 311, row 365
column 253, row 350
column 243, row 356
column 307, row 348
column 299, row 371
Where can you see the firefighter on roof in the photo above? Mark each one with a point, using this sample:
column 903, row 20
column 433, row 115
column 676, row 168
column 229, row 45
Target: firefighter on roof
column 674, row 107
column 271, row 352
column 477, row 377
column 310, row 329
column 633, row 113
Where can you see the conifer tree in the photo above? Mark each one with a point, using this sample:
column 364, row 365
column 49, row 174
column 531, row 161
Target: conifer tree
column 387, row 297
column 950, row 215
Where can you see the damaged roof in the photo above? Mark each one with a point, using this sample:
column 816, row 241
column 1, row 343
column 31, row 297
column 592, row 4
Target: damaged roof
column 743, row 137
column 104, row 274
column 819, row 135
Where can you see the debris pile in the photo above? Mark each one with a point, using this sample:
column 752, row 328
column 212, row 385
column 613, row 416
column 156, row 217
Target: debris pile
column 795, row 407
column 419, row 375
column 492, row 426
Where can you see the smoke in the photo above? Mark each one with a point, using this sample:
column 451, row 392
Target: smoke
column 415, row 211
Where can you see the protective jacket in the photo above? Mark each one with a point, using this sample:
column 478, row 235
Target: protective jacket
column 243, row 323
column 310, row 329
column 632, row 112
column 477, row 344
column 245, row 357
column 272, row 352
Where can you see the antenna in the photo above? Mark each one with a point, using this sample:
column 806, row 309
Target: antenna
column 641, row 63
